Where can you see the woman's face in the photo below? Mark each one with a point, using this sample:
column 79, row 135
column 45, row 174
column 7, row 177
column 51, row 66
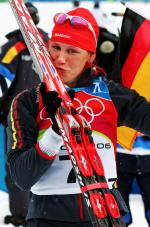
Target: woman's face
column 69, row 61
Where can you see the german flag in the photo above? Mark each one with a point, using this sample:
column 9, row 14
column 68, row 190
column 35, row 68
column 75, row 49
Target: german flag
column 134, row 63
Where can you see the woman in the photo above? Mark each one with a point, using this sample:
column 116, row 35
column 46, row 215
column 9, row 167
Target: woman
column 36, row 154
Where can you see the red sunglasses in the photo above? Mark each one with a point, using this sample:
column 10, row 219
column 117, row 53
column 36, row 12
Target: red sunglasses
column 61, row 18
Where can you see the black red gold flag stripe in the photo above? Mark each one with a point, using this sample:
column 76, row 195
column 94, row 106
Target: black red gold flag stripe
column 134, row 63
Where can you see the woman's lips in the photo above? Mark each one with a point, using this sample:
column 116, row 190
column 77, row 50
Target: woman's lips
column 61, row 71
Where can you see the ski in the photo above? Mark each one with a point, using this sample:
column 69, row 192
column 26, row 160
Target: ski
column 75, row 130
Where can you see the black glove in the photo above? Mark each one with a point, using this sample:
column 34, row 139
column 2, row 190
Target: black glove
column 52, row 102
column 71, row 94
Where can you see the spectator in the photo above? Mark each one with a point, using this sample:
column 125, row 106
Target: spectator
column 135, row 165
column 17, row 72
column 106, row 50
column 76, row 3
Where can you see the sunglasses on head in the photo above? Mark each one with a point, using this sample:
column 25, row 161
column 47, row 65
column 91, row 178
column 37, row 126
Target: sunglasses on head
column 61, row 18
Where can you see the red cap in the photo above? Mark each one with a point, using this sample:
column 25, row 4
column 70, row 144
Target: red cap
column 81, row 37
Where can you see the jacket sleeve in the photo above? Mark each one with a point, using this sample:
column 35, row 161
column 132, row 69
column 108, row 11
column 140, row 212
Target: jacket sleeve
column 133, row 109
column 25, row 163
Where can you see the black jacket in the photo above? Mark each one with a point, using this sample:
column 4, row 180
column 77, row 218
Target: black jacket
column 17, row 66
column 27, row 166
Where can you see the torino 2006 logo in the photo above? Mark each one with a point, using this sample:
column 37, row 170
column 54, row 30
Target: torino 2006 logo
column 89, row 108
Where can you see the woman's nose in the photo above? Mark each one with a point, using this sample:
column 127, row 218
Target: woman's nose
column 61, row 58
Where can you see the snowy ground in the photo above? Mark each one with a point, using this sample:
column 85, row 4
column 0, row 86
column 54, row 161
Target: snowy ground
column 135, row 203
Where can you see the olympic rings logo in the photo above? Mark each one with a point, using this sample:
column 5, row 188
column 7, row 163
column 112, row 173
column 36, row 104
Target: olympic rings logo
column 89, row 108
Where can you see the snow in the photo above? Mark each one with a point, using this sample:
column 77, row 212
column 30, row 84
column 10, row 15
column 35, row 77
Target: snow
column 104, row 17
column 4, row 209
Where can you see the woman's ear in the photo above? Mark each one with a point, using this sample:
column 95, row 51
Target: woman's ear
column 90, row 61
column 92, row 58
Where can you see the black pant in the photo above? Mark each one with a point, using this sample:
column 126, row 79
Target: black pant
column 49, row 223
column 125, row 181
